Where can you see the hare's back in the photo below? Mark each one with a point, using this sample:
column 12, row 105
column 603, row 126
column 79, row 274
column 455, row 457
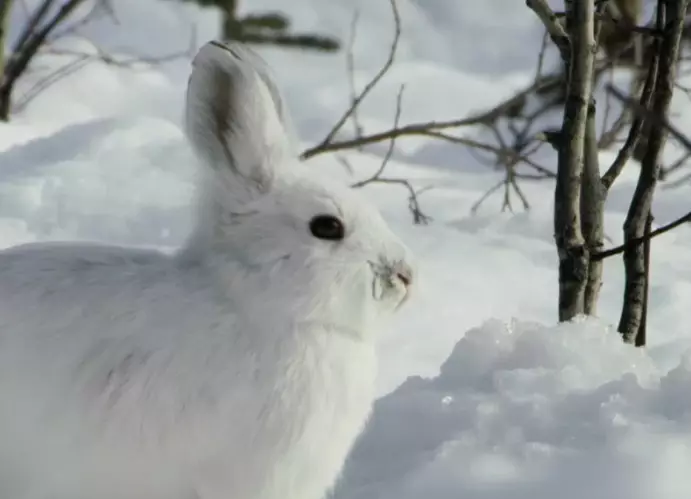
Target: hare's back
column 77, row 326
column 68, row 290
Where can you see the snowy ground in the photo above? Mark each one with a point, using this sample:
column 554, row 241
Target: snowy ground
column 482, row 396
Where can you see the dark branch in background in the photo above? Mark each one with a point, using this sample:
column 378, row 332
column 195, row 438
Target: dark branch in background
column 79, row 59
column 5, row 8
column 289, row 40
column 392, row 145
column 30, row 41
column 507, row 157
column 40, row 35
column 670, row 20
column 429, row 128
column 655, row 119
column 268, row 28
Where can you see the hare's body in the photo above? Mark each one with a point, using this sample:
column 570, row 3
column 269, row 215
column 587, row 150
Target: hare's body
column 141, row 390
column 241, row 367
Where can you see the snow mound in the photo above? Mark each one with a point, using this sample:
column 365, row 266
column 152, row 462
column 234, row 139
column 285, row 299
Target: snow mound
column 68, row 184
column 520, row 410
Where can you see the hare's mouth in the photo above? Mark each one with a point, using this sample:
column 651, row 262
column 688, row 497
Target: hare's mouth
column 389, row 287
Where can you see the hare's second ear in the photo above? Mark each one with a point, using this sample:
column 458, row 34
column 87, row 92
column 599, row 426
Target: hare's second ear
column 235, row 119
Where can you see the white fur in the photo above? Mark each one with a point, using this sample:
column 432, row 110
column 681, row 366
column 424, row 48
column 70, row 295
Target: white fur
column 242, row 367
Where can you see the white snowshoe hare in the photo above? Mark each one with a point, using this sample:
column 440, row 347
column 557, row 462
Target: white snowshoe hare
column 240, row 367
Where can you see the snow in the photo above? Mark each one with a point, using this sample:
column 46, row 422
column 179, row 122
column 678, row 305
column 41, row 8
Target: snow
column 524, row 410
column 521, row 407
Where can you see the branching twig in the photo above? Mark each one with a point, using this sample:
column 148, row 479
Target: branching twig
column 624, row 154
column 392, row 145
column 658, row 121
column 372, row 83
column 413, row 204
column 417, row 129
column 486, row 195
column 81, row 59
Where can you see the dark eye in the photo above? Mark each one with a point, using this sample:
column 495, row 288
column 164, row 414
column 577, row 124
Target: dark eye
column 327, row 227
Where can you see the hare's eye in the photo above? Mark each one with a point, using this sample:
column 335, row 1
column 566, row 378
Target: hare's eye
column 327, row 227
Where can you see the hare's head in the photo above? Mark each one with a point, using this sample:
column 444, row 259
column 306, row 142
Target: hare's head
column 311, row 248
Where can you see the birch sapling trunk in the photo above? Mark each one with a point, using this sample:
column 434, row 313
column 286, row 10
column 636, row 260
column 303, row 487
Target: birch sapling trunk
column 670, row 21
column 593, row 196
column 571, row 247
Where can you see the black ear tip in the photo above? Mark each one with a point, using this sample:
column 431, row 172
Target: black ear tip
column 226, row 47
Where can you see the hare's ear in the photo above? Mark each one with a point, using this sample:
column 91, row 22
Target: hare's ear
column 235, row 120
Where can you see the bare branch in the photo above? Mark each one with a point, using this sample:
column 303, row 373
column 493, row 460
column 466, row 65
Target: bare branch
column 81, row 59
column 486, row 195
column 413, row 204
column 635, row 242
column 634, row 135
column 27, row 48
column 100, row 7
column 666, row 171
column 392, row 145
column 5, row 8
column 685, row 179
column 372, row 83
column 421, row 128
column 32, row 24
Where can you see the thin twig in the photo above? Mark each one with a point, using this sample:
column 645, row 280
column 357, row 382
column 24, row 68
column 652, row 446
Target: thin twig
column 27, row 49
column 390, row 150
column 421, row 128
column 418, row 216
column 486, row 195
column 372, row 83
column 634, row 135
column 633, row 243
column 350, row 68
column 541, row 56
column 662, row 121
